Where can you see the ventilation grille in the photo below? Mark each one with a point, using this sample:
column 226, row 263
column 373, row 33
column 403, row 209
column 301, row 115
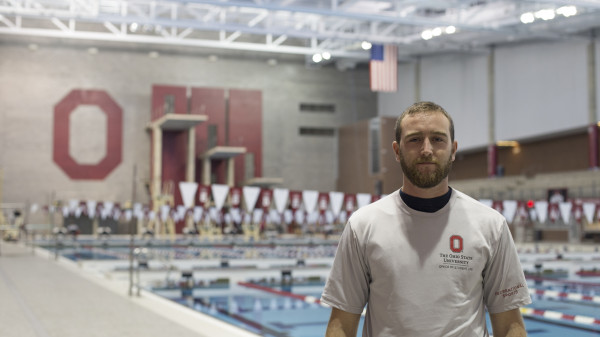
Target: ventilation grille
column 316, row 107
column 324, row 132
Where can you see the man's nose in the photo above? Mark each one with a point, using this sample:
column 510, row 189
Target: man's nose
column 427, row 148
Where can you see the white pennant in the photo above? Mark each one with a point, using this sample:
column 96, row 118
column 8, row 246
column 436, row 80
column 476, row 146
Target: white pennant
column 510, row 209
column 363, row 199
column 309, row 198
column 128, row 215
column 565, row 211
column 164, row 212
column 336, row 200
column 73, row 204
column 281, row 196
column 188, row 192
column 588, row 211
column 116, row 214
column 251, row 194
column 107, row 209
column 487, row 202
column 91, row 208
column 181, row 211
column 299, row 216
column 198, row 213
column 257, row 215
column 541, row 207
column 78, row 211
column 219, row 193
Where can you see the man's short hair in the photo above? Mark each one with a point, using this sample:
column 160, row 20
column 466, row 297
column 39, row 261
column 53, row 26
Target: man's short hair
column 423, row 107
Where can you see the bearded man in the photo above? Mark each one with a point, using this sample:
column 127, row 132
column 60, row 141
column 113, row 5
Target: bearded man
column 426, row 260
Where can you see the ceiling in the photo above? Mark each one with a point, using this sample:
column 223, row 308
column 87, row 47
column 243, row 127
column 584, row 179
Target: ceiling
column 300, row 27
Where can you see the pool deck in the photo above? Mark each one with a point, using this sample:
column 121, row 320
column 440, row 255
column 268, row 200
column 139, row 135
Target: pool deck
column 41, row 296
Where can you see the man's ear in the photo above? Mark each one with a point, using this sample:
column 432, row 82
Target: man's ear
column 396, row 148
column 454, row 149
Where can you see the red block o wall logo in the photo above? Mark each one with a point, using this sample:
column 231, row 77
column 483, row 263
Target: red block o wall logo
column 456, row 243
column 114, row 136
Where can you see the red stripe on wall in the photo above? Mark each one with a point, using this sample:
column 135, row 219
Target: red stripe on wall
column 245, row 129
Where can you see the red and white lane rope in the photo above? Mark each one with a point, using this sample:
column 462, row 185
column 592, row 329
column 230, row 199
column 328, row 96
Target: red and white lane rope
column 305, row 298
column 565, row 296
column 560, row 316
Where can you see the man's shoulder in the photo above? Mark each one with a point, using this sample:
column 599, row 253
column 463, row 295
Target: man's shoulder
column 476, row 208
column 386, row 205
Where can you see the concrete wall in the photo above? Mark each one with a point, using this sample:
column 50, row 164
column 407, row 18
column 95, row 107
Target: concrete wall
column 538, row 89
column 33, row 82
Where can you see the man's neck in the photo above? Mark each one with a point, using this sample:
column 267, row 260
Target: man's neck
column 425, row 193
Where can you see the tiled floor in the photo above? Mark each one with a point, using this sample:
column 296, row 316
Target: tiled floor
column 44, row 297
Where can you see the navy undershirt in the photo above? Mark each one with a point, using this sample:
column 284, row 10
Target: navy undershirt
column 429, row 205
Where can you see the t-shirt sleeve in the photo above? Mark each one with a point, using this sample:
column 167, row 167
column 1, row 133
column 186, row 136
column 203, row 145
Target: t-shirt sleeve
column 347, row 286
column 504, row 284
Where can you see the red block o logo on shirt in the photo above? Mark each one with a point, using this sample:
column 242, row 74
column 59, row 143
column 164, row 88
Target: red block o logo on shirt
column 456, row 243
column 114, row 137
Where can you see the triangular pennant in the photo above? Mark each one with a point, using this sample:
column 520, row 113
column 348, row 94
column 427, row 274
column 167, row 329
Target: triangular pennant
column 323, row 202
column 588, row 211
column 235, row 197
column 78, row 211
column 266, row 198
column 336, row 200
column 128, row 215
column 281, row 196
column 565, row 211
column 309, row 198
column 198, row 213
column 219, row 193
column 164, row 212
column 73, row 204
column 188, row 192
column 257, row 215
column 541, row 208
column 510, row 208
column 363, row 199
column 251, row 194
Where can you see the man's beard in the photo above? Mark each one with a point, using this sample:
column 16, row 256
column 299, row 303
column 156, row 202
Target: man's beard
column 425, row 179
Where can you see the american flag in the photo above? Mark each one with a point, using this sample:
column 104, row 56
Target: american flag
column 384, row 68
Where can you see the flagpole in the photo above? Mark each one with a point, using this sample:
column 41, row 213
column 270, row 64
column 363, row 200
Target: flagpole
column 131, row 245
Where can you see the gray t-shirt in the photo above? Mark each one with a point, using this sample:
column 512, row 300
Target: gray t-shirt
column 426, row 274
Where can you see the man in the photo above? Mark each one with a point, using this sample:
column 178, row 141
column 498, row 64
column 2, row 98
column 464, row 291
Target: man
column 427, row 259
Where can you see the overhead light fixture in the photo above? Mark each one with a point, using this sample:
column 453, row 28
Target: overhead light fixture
column 133, row 27
column 567, row 11
column 516, row 147
column 450, row 30
column 326, row 55
column 366, row 45
column 507, row 143
column 527, row 17
column 437, row 31
column 545, row 14
column 317, row 58
column 427, row 34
